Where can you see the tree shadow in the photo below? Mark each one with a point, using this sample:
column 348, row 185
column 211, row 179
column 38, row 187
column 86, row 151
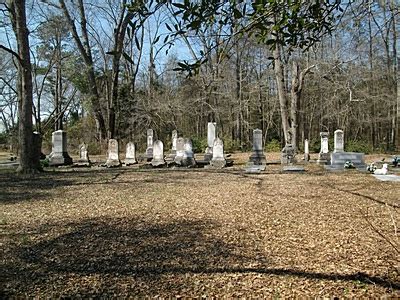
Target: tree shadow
column 133, row 248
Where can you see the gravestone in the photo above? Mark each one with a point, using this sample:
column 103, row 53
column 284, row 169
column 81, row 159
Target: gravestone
column 211, row 134
column 339, row 158
column 113, row 154
column 257, row 160
column 59, row 155
column 218, row 160
column 306, row 151
column 188, row 157
column 180, row 151
column 83, row 156
column 158, row 154
column 338, row 141
column 288, row 155
column 149, row 149
column 324, row 156
column 130, row 156
column 171, row 156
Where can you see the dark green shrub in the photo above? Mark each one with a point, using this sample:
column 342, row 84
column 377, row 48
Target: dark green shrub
column 273, row 146
column 199, row 144
column 231, row 145
column 358, row 146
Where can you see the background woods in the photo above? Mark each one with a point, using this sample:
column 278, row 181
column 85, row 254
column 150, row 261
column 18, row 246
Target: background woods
column 107, row 69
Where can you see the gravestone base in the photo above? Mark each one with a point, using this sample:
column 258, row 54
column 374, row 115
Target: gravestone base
column 158, row 163
column 130, row 161
column 113, row 163
column 218, row 164
column 293, row 168
column 288, row 155
column 170, row 158
column 258, row 158
column 185, row 162
column 323, row 158
column 82, row 163
column 254, row 168
column 60, row 159
column 338, row 159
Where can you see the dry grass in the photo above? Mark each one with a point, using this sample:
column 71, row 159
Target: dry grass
column 199, row 233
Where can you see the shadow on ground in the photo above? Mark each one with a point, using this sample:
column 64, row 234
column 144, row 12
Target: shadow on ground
column 138, row 254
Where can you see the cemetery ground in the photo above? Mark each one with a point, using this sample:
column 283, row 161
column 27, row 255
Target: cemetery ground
column 195, row 232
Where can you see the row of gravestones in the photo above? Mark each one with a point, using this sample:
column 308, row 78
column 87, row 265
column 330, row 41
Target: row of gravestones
column 182, row 152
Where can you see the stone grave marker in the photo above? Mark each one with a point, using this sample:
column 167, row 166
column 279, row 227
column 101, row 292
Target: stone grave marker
column 324, row 156
column 83, row 156
column 180, row 151
column 113, row 154
column 338, row 141
column 211, row 134
column 257, row 160
column 130, row 156
column 158, row 154
column 218, row 160
column 171, row 156
column 150, row 139
column 306, row 151
column 59, row 155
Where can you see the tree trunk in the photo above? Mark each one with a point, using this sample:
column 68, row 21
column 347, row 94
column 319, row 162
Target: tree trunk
column 29, row 158
column 85, row 51
column 282, row 95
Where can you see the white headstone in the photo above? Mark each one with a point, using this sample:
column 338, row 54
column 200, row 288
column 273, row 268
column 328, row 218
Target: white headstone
column 338, row 141
column 324, row 142
column 83, row 153
column 158, row 153
column 306, row 151
column 324, row 156
column 174, row 138
column 211, row 134
column 218, row 159
column 59, row 154
column 130, row 157
column 113, row 154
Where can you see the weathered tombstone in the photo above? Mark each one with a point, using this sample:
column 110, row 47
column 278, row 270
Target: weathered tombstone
column 180, row 151
column 149, row 149
column 257, row 157
column 257, row 160
column 83, row 156
column 218, row 159
column 288, row 155
column 59, row 155
column 324, row 156
column 188, row 157
column 171, row 156
column 338, row 141
column 158, row 154
column 130, row 157
column 211, row 134
column 174, row 138
column 113, row 154
column 306, row 151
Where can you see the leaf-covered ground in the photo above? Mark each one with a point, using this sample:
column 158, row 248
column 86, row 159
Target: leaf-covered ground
column 97, row 232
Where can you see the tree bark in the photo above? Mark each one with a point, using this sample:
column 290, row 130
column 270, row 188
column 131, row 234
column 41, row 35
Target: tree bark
column 29, row 158
column 282, row 94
